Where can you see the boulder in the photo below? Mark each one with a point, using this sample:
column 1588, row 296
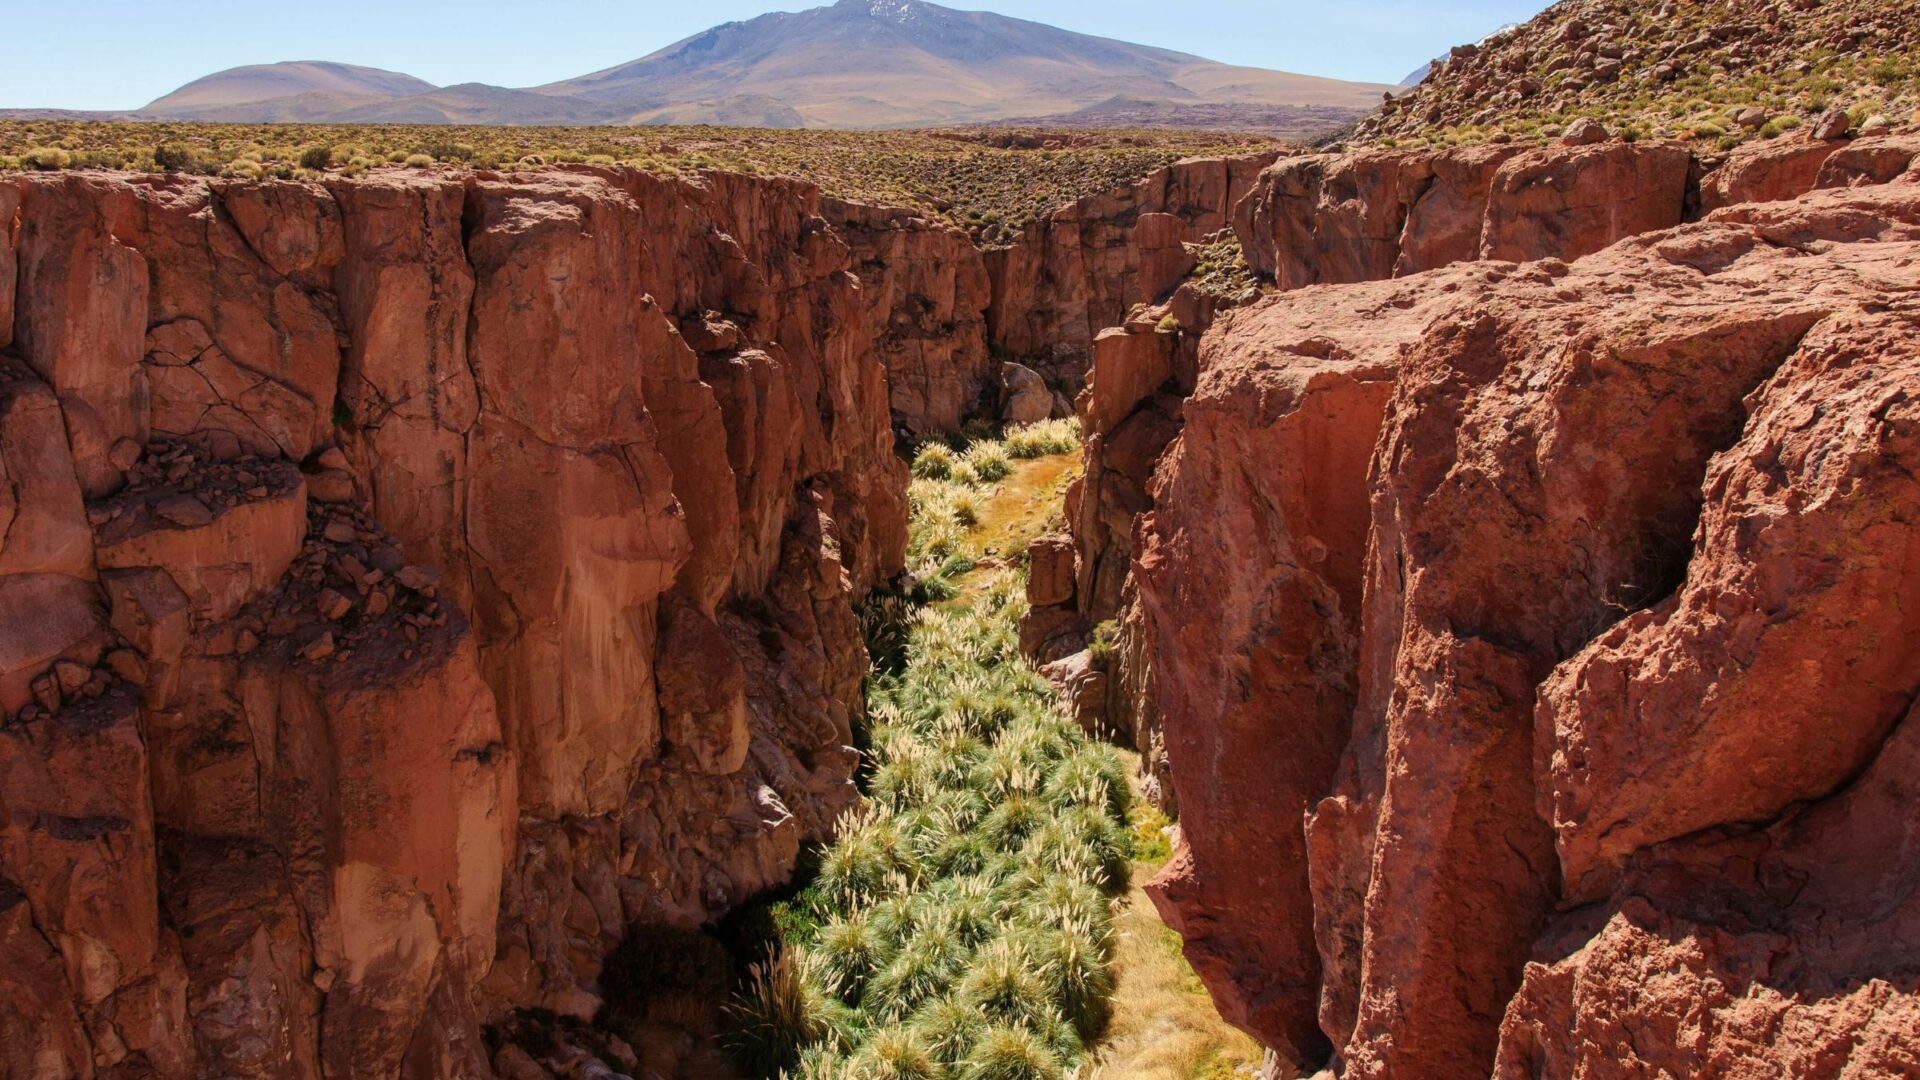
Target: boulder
column 1050, row 570
column 1024, row 397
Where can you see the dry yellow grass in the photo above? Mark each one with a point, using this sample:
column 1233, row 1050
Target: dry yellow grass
column 1164, row 1025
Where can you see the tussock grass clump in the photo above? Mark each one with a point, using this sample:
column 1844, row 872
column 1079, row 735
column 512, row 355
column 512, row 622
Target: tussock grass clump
column 779, row 1015
column 933, row 461
column 964, row 917
column 1028, row 441
column 1011, row 1052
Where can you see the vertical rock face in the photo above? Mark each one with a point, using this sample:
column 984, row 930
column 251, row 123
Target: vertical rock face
column 926, row 294
column 402, row 578
column 1566, row 649
column 940, row 309
column 1079, row 271
column 1334, row 219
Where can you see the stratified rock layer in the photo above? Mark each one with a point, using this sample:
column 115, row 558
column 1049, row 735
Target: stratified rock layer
column 1551, row 721
column 409, row 584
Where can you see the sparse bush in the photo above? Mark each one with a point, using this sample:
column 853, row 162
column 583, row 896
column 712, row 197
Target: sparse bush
column 417, row 161
column 173, row 157
column 1105, row 636
column 316, row 157
column 991, row 829
column 46, row 158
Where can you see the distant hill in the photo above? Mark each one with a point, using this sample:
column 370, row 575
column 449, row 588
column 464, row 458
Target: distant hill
column 257, row 83
column 856, row 64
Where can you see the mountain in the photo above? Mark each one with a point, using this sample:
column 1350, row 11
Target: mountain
column 856, row 64
column 314, row 80
column 880, row 63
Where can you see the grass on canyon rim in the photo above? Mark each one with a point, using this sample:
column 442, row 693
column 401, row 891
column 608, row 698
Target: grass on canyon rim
column 961, row 925
column 989, row 181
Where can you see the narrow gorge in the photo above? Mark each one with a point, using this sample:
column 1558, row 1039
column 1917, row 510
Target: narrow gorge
column 411, row 584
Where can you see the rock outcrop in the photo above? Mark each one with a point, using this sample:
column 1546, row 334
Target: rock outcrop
column 1563, row 669
column 410, row 583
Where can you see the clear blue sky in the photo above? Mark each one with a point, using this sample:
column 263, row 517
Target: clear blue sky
column 118, row 54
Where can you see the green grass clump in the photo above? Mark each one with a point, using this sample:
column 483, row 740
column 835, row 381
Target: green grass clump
column 1011, row 1053
column 989, row 462
column 934, row 461
column 781, row 1013
column 963, row 918
column 1040, row 439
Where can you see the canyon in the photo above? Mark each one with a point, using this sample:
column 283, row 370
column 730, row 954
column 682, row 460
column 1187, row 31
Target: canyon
column 412, row 582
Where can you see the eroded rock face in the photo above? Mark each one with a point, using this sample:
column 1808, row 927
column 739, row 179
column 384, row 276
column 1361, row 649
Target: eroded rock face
column 1332, row 219
column 1568, row 629
column 1078, row 272
column 1789, row 168
column 403, row 576
column 926, row 293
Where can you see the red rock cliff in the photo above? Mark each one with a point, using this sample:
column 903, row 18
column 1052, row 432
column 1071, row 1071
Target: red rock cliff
column 409, row 583
column 1554, row 718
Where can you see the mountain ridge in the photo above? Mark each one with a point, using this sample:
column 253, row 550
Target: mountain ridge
column 854, row 64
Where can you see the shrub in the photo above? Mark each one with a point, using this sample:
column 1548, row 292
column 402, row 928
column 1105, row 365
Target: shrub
column 1003, row 985
column 316, row 157
column 1075, row 976
column 46, row 158
column 417, row 161
column 965, row 508
column 923, row 967
column 896, row 1054
column 173, row 157
column 1105, row 636
column 1060, row 436
column 848, row 953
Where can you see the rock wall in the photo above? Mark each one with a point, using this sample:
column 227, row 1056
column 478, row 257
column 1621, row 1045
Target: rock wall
column 1305, row 220
column 409, row 583
column 1549, row 719
column 955, row 325
column 926, row 293
column 1079, row 271
column 1343, row 218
